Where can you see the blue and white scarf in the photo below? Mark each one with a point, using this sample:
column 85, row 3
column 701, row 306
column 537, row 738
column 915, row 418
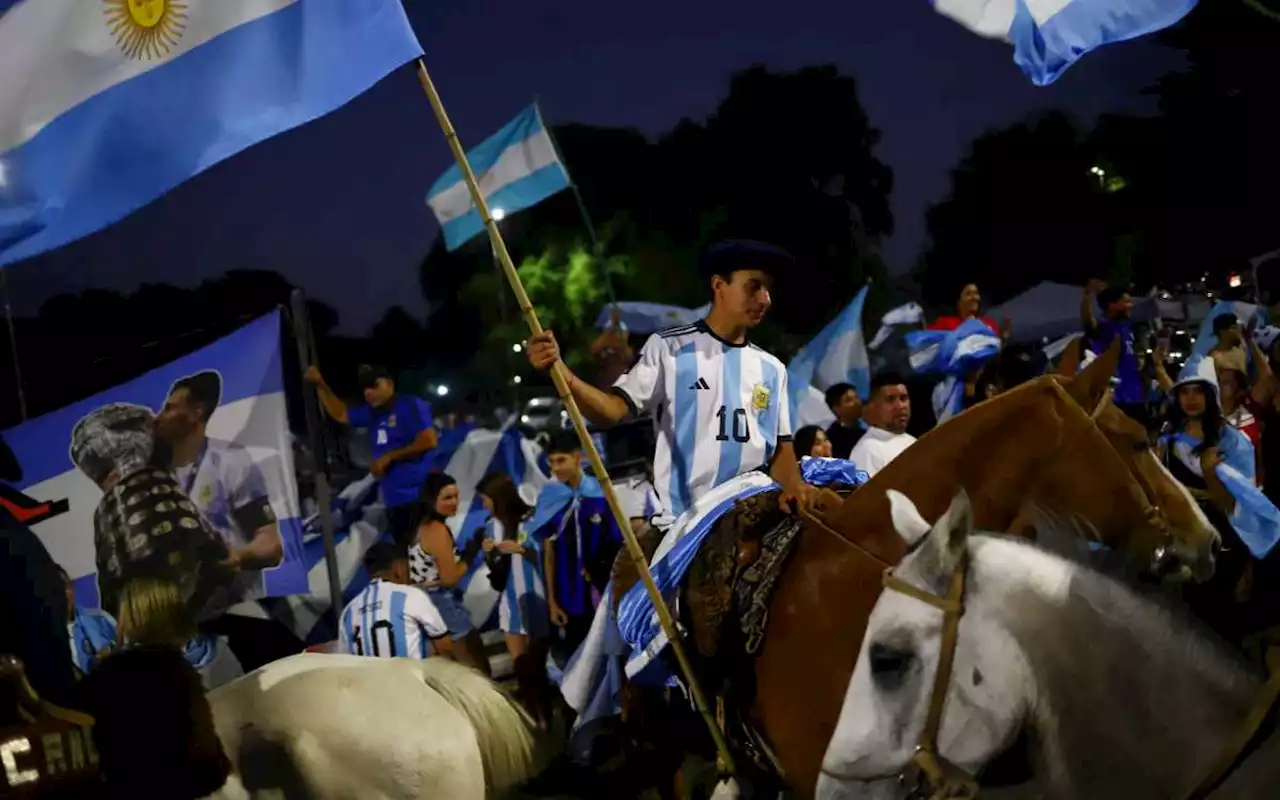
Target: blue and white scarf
column 1255, row 518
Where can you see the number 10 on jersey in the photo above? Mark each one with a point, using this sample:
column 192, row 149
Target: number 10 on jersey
column 733, row 423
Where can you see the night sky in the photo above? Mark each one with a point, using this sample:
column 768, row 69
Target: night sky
column 338, row 205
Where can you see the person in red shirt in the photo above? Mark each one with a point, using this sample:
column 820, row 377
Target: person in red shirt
column 967, row 305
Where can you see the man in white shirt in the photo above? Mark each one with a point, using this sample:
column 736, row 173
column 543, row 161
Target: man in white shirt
column 887, row 413
column 719, row 403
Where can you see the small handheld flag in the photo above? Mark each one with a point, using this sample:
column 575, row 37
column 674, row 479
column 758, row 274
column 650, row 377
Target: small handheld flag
column 518, row 167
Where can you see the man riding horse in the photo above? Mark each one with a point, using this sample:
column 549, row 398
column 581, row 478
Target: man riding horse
column 719, row 403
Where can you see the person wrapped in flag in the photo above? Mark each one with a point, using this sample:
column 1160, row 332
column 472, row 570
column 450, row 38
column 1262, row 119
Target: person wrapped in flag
column 578, row 537
column 1216, row 463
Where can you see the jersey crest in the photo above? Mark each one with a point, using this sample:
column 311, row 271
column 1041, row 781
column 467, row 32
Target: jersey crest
column 760, row 397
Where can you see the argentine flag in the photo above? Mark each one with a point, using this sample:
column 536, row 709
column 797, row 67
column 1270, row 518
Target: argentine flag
column 107, row 104
column 1050, row 35
column 517, row 167
column 954, row 355
column 838, row 354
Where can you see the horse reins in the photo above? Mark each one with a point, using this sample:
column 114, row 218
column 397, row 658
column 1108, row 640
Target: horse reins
column 932, row 777
column 1153, row 513
column 935, row 777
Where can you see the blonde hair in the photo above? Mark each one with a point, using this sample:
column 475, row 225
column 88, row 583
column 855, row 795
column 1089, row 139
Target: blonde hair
column 152, row 612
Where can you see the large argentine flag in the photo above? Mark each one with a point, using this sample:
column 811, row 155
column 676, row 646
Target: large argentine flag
column 1050, row 35
column 838, row 354
column 517, row 167
column 107, row 104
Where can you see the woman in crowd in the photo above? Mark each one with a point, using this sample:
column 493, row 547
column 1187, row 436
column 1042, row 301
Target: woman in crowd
column 152, row 612
column 434, row 565
column 522, row 603
column 1195, row 440
column 1244, row 405
column 967, row 306
column 812, row 441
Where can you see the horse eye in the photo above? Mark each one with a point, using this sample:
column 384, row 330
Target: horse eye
column 889, row 665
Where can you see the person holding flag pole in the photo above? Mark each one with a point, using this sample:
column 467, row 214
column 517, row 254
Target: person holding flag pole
column 547, row 355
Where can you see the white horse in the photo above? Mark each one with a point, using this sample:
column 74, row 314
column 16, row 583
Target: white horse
column 324, row 727
column 1114, row 695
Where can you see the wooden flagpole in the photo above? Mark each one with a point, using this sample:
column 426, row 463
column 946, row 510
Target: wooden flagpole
column 560, row 377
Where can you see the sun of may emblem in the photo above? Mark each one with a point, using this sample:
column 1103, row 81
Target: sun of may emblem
column 760, row 397
column 146, row 29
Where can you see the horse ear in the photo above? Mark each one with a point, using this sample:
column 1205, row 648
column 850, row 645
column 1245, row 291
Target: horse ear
column 1070, row 363
column 1093, row 381
column 906, row 517
column 950, row 534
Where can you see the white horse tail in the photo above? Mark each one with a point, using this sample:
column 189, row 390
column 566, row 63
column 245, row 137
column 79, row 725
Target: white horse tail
column 503, row 729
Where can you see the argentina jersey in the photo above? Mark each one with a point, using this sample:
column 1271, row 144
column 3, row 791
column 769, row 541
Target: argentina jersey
column 229, row 489
column 387, row 620
column 719, row 409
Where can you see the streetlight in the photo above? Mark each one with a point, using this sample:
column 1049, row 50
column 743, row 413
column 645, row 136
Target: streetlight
column 442, row 390
column 498, row 214
column 516, row 380
column 517, row 347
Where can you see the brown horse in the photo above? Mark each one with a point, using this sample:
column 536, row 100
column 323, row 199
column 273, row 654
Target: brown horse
column 1055, row 444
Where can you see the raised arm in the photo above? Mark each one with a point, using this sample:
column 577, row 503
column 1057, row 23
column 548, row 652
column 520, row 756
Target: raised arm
column 1086, row 305
column 330, row 402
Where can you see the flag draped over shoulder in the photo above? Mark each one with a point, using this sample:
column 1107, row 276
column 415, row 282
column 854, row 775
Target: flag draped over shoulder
column 838, row 354
column 107, row 104
column 517, row 167
column 1050, row 35
column 952, row 354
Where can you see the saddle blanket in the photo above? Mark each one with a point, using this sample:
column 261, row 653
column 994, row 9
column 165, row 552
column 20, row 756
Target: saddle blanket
column 592, row 679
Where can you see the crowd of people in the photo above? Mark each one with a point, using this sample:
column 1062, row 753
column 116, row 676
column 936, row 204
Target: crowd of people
column 719, row 406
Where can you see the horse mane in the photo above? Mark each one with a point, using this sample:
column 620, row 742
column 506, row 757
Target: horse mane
column 153, row 727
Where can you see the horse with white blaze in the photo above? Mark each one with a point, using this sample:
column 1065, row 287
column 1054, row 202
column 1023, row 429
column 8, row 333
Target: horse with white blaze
column 980, row 642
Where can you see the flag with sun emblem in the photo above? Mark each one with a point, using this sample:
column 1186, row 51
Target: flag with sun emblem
column 107, row 104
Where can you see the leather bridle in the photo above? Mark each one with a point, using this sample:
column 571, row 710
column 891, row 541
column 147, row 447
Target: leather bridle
column 928, row 775
column 1153, row 513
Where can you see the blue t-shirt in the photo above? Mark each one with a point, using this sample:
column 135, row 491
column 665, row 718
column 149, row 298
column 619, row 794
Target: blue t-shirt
column 392, row 427
column 1130, row 389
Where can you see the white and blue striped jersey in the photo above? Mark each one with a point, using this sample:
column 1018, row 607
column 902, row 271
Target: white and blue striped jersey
column 387, row 620
column 719, row 409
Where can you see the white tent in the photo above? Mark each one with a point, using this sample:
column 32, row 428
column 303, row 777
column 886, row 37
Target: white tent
column 1051, row 310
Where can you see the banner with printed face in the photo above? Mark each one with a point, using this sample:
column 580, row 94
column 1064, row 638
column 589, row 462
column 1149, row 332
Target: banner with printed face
column 183, row 474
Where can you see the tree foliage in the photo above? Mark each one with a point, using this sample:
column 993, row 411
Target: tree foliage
column 1163, row 198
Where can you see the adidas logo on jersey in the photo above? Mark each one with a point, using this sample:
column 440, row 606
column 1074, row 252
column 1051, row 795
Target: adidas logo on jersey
column 700, row 384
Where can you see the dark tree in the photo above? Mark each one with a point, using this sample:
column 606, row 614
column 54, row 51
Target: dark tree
column 1028, row 203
